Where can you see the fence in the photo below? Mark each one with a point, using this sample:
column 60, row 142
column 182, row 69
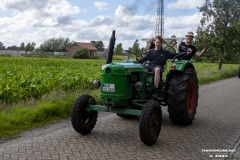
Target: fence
column 100, row 54
column 11, row 52
column 19, row 53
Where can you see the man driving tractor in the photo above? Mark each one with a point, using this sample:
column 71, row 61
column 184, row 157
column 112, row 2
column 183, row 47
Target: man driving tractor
column 157, row 58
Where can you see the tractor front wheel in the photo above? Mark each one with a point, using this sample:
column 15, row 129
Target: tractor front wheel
column 150, row 122
column 83, row 121
column 183, row 96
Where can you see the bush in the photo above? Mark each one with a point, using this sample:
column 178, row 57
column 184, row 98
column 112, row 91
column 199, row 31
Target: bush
column 81, row 53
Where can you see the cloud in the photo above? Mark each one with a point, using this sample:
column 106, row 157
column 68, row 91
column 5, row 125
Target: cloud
column 185, row 4
column 101, row 20
column 36, row 13
column 188, row 23
column 145, row 6
column 122, row 11
column 22, row 5
column 100, row 5
column 49, row 7
column 37, row 22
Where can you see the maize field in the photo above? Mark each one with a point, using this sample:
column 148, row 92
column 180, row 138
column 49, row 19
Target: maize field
column 23, row 78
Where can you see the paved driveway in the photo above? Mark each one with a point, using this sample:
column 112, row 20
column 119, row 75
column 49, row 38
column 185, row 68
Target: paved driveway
column 214, row 134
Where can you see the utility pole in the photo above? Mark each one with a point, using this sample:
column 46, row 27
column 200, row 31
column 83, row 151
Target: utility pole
column 160, row 19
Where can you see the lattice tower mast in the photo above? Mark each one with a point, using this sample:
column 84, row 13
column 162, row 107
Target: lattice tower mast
column 160, row 19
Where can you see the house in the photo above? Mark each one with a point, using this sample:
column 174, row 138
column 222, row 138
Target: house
column 71, row 49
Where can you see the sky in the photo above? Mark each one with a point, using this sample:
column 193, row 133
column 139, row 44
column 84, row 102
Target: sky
column 93, row 20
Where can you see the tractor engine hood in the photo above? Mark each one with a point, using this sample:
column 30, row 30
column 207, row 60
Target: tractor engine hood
column 122, row 68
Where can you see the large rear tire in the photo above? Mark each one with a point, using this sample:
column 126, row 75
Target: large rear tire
column 83, row 121
column 183, row 96
column 150, row 122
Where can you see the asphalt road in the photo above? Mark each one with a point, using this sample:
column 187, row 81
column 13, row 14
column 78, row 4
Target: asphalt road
column 214, row 134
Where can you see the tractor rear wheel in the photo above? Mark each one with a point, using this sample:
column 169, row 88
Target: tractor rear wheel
column 150, row 122
column 183, row 96
column 83, row 121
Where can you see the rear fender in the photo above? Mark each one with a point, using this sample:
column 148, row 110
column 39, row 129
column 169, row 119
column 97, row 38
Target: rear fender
column 177, row 66
column 180, row 65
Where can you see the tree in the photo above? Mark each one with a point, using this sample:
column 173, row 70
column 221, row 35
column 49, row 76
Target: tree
column 98, row 44
column 22, row 46
column 2, row 47
column 170, row 43
column 118, row 49
column 55, row 45
column 135, row 48
column 13, row 48
column 220, row 27
column 143, row 50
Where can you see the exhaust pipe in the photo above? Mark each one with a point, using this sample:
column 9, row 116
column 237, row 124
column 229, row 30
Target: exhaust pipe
column 111, row 48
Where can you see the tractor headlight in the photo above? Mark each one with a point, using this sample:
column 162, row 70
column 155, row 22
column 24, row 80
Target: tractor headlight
column 138, row 86
column 108, row 70
column 96, row 83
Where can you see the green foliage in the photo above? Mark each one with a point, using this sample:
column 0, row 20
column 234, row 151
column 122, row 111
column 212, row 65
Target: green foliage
column 5, row 55
column 2, row 47
column 170, row 43
column 98, row 44
column 208, row 72
column 15, row 48
column 20, row 118
column 143, row 50
column 24, row 78
column 220, row 27
column 30, row 46
column 118, row 49
column 81, row 53
column 94, row 57
column 22, row 46
column 135, row 48
column 26, row 116
column 55, row 45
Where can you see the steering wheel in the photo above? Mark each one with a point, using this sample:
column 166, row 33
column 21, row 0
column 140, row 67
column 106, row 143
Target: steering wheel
column 138, row 55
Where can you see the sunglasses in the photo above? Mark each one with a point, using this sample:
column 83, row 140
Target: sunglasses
column 190, row 36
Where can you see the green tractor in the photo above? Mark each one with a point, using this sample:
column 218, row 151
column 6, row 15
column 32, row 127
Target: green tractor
column 126, row 89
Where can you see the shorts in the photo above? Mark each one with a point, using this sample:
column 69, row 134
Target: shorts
column 152, row 68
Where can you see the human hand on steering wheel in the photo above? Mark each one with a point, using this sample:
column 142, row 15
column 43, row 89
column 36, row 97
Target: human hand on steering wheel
column 138, row 58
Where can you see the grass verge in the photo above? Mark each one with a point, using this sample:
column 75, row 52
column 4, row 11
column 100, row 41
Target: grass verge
column 27, row 115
